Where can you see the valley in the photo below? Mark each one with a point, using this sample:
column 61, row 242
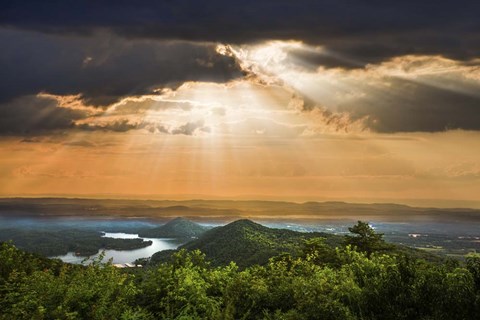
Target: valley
column 47, row 227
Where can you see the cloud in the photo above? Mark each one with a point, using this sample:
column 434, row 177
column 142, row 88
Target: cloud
column 102, row 68
column 403, row 94
column 394, row 104
column 260, row 127
column 413, row 106
column 363, row 31
column 33, row 115
column 312, row 59
column 148, row 104
column 122, row 125
column 410, row 93
column 190, row 128
column 219, row 111
column 30, row 140
column 42, row 115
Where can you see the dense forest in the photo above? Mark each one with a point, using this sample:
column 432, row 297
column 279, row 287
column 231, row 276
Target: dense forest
column 358, row 279
column 59, row 242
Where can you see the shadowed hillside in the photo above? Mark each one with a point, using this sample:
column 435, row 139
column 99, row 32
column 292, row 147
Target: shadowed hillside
column 176, row 228
column 246, row 243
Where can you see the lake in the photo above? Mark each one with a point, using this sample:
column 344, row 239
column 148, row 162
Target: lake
column 126, row 256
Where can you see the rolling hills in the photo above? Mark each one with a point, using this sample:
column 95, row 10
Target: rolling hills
column 229, row 210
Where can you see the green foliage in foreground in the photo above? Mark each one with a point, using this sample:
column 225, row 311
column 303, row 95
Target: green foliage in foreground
column 322, row 283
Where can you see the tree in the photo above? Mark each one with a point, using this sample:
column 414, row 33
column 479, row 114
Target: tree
column 317, row 251
column 365, row 238
column 473, row 265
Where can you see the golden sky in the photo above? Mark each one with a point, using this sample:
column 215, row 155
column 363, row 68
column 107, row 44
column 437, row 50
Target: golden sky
column 288, row 128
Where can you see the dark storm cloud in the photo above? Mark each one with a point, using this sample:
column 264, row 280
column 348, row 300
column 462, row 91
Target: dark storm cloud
column 116, row 126
column 102, row 68
column 413, row 106
column 108, row 50
column 31, row 115
column 364, row 31
column 124, row 125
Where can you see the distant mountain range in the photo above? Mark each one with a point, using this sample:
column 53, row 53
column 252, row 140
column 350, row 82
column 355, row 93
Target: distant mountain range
column 224, row 210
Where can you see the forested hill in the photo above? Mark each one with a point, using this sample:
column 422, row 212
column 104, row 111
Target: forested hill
column 247, row 243
column 176, row 228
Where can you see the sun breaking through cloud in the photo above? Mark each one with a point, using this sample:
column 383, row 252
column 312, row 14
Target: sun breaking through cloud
column 346, row 101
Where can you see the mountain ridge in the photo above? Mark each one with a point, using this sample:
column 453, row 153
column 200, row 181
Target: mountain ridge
column 227, row 210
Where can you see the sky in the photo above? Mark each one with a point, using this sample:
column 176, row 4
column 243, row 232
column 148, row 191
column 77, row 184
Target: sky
column 361, row 101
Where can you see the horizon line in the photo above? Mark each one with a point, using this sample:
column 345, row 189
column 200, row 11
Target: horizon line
column 423, row 203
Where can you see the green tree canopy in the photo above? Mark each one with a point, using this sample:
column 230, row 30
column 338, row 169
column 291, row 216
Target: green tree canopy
column 364, row 238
